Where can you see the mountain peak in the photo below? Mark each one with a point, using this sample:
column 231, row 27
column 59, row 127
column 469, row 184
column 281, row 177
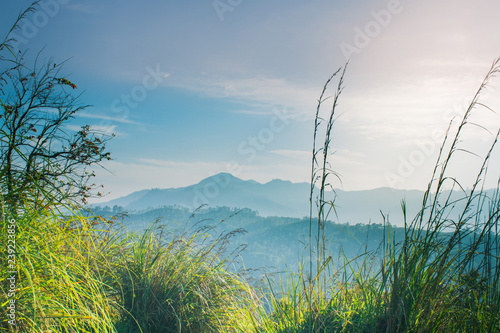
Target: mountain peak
column 225, row 178
column 222, row 177
column 275, row 198
column 225, row 174
column 279, row 181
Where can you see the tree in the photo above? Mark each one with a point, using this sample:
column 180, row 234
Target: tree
column 41, row 157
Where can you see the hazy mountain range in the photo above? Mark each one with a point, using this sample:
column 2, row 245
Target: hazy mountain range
column 278, row 232
column 275, row 198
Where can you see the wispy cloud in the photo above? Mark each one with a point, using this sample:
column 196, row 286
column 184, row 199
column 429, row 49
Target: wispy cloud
column 253, row 112
column 103, row 117
column 183, row 165
column 295, row 154
column 263, row 90
column 106, row 130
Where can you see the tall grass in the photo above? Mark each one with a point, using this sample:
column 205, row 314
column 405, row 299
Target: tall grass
column 180, row 283
column 57, row 287
column 443, row 277
column 75, row 274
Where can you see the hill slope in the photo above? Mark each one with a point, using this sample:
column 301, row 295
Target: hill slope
column 275, row 198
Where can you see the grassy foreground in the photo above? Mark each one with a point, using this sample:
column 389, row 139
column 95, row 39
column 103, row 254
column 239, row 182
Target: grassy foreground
column 77, row 274
column 72, row 277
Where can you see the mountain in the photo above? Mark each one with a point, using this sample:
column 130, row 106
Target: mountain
column 276, row 198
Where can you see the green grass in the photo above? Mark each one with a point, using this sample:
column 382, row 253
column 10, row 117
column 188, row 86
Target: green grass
column 79, row 274
column 73, row 277
column 58, row 287
column 171, row 283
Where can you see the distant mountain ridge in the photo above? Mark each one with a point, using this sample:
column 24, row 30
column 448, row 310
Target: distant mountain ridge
column 276, row 198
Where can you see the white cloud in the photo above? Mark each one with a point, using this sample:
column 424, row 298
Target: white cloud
column 104, row 117
column 74, row 128
column 106, row 130
column 400, row 88
column 253, row 112
column 182, row 165
column 265, row 91
column 295, row 154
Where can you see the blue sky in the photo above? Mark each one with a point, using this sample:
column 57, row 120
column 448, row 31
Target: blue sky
column 193, row 88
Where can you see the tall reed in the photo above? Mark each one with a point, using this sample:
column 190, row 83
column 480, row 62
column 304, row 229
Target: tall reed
column 443, row 277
